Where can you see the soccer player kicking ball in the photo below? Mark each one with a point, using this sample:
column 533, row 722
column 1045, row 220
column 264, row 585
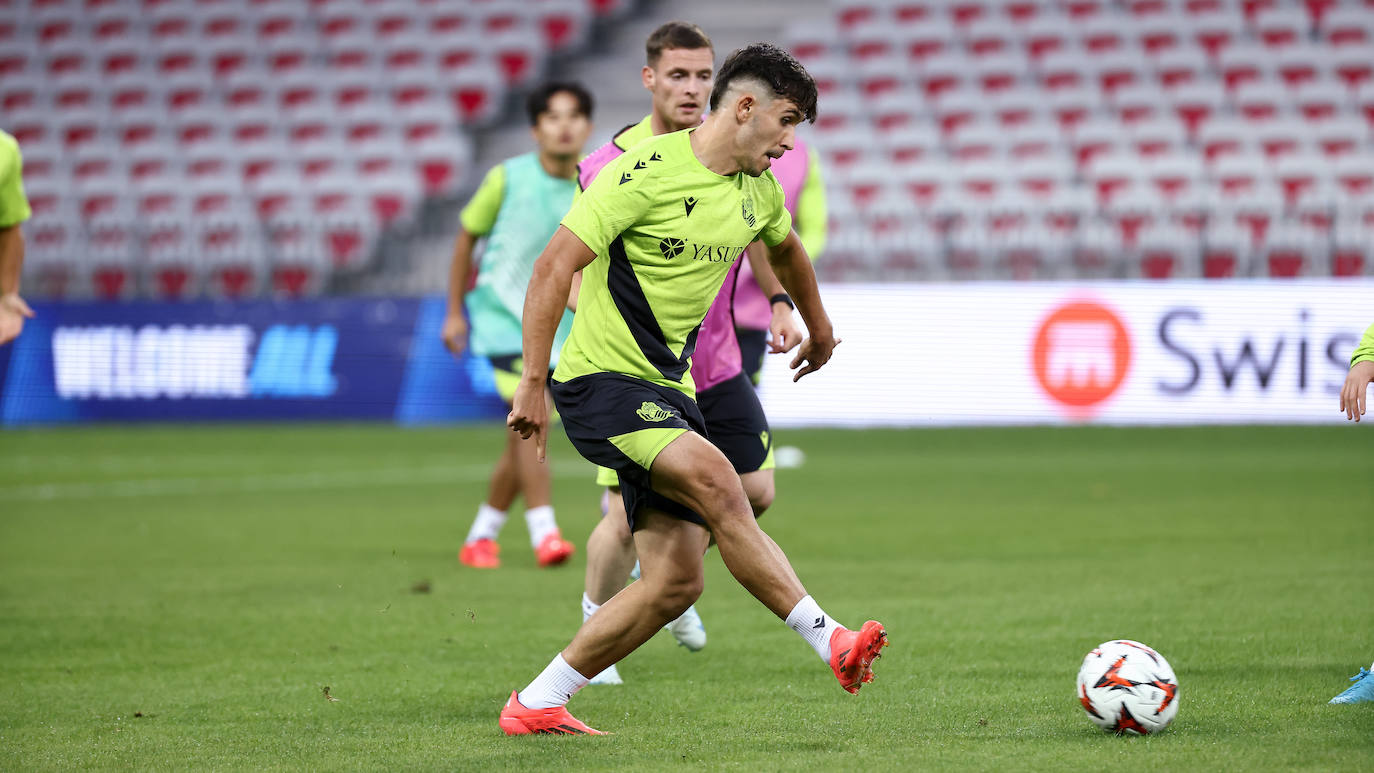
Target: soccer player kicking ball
column 517, row 208
column 678, row 73
column 622, row 387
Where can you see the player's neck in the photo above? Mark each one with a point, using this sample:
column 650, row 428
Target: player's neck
column 660, row 125
column 714, row 149
column 564, row 167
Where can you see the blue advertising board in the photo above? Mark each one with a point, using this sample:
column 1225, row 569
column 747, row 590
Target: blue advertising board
column 339, row 358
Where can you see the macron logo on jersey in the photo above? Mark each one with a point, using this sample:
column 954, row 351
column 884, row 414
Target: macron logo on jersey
column 690, row 202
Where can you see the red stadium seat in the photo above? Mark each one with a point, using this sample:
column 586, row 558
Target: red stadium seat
column 1281, row 27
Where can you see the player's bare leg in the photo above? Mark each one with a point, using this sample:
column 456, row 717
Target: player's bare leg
column 760, row 489
column 610, row 551
column 670, row 558
column 695, row 473
column 504, row 485
column 480, row 550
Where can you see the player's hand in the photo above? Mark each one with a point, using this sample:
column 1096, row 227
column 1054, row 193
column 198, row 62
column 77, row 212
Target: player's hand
column 13, row 312
column 1353, row 394
column 783, row 331
column 455, row 333
column 815, row 352
column 529, row 414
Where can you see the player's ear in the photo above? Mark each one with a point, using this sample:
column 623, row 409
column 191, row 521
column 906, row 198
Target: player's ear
column 745, row 105
column 646, row 75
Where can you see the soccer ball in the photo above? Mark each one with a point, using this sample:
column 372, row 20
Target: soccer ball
column 1128, row 688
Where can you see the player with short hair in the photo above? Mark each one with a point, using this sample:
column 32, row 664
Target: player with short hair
column 14, row 210
column 678, row 72
column 652, row 268
column 517, row 208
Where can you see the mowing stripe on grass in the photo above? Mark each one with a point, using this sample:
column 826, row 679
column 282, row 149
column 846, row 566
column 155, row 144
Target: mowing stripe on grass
column 252, row 484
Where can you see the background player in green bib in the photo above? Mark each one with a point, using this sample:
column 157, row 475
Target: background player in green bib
column 655, row 235
column 517, row 209
column 14, row 210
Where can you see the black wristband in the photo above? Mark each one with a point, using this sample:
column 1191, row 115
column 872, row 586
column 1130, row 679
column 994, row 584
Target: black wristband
column 782, row 298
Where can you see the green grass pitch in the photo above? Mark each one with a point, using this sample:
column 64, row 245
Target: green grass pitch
column 180, row 597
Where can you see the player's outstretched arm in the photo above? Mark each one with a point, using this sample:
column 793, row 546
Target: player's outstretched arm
column 783, row 333
column 455, row 329
column 793, row 269
column 545, row 300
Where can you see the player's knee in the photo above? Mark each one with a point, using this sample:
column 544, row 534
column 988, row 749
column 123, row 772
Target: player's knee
column 761, row 498
column 718, row 491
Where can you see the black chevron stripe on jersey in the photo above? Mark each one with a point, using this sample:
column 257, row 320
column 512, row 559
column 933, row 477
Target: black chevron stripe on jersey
column 639, row 317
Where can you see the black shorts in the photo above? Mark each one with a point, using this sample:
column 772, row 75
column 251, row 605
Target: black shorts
column 752, row 346
column 623, row 423
column 736, row 425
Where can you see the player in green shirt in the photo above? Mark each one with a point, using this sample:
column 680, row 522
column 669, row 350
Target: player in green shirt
column 1353, row 394
column 14, row 210
column 516, row 209
column 655, row 235
column 1353, row 402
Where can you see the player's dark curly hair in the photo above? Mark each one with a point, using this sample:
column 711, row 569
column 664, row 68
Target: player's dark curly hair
column 538, row 100
column 776, row 68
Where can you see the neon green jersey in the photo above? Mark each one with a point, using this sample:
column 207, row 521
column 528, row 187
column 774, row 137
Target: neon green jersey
column 14, row 205
column 1364, row 351
column 665, row 230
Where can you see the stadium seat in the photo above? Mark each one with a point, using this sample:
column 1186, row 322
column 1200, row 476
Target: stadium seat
column 1096, row 251
column 476, row 93
column 1164, row 251
column 1179, row 66
column 1226, row 251
column 1037, row 139
column 1352, row 249
column 1354, row 173
column 1242, row 64
column 1281, row 27
column 1289, row 251
column 1347, row 26
column 112, row 245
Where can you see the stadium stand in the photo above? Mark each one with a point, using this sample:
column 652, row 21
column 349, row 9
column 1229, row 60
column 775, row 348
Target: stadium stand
column 233, row 147
column 1096, row 138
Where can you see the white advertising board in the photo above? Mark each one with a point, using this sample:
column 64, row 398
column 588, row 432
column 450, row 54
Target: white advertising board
column 1051, row 353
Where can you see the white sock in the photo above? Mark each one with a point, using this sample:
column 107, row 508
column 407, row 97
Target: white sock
column 541, row 523
column 589, row 607
column 555, row 686
column 487, row 524
column 813, row 624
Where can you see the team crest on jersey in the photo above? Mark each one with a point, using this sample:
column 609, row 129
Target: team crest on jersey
column 671, row 247
column 747, row 209
column 653, row 412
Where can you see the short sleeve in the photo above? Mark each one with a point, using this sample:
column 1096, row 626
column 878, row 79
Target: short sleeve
column 14, row 205
column 614, row 200
column 1364, row 352
column 479, row 215
column 776, row 228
